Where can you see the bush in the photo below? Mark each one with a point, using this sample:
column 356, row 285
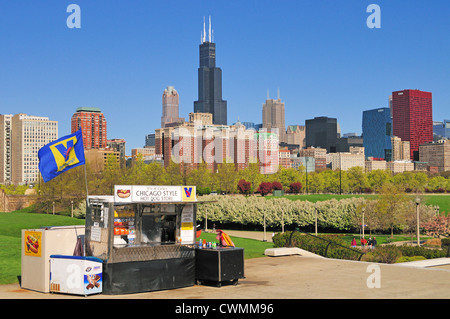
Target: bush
column 264, row 188
column 435, row 242
column 428, row 253
column 404, row 259
column 384, row 254
column 317, row 245
column 295, row 188
column 244, row 187
column 277, row 186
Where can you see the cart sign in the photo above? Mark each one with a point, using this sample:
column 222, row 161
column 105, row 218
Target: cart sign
column 157, row 194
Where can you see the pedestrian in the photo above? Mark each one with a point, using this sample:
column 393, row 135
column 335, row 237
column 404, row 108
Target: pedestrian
column 369, row 243
column 353, row 242
column 363, row 243
column 374, row 243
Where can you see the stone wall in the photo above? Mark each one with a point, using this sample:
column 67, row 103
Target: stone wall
column 10, row 203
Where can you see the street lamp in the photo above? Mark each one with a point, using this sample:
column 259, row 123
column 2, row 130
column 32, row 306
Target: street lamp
column 315, row 211
column 417, row 214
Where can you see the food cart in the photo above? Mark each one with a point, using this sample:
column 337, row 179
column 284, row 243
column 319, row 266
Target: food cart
column 145, row 236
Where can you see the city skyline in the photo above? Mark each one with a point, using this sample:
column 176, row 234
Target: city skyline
column 321, row 55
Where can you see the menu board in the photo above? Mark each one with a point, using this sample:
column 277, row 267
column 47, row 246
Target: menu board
column 187, row 224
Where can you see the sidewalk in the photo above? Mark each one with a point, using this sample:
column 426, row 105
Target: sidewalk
column 297, row 277
column 300, row 277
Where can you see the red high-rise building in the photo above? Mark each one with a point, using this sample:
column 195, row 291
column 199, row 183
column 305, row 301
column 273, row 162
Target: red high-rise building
column 412, row 118
column 93, row 126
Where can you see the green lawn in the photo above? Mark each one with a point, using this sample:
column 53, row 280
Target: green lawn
column 252, row 248
column 441, row 200
column 10, row 238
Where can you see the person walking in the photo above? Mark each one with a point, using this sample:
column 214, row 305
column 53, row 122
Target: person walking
column 353, row 242
column 363, row 243
column 374, row 243
column 369, row 243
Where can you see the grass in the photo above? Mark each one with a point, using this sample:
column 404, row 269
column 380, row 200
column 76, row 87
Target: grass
column 441, row 200
column 10, row 238
column 252, row 248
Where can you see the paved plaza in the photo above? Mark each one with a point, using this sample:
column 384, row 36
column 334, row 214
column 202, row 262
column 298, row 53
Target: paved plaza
column 299, row 277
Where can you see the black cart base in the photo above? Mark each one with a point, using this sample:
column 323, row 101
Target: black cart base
column 220, row 265
column 145, row 276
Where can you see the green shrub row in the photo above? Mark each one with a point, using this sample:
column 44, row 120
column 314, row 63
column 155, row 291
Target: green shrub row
column 388, row 254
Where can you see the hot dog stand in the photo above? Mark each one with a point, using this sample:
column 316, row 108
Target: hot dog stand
column 145, row 236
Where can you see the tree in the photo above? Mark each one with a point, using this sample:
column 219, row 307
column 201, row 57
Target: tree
column 277, row 185
column 244, row 187
column 357, row 179
column 226, row 177
column 295, row 188
column 391, row 207
column 265, row 188
column 378, row 178
column 437, row 226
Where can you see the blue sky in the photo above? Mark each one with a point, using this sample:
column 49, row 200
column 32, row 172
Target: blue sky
column 319, row 53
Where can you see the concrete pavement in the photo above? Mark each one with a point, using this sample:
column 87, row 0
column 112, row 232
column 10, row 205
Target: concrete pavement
column 298, row 277
column 301, row 277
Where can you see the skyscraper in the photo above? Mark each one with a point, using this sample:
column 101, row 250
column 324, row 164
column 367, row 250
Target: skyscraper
column 322, row 132
column 28, row 134
column 170, row 107
column 412, row 118
column 377, row 132
column 93, row 126
column 273, row 117
column 5, row 148
column 210, row 81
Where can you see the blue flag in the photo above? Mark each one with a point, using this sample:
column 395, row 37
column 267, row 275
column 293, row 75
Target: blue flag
column 61, row 155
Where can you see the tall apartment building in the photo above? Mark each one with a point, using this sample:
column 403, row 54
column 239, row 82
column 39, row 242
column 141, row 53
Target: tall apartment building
column 284, row 158
column 344, row 161
column 400, row 149
column 319, row 155
column 210, row 81
column 322, row 132
column 412, row 118
column 201, row 141
column 436, row 154
column 5, row 149
column 170, row 107
column 377, row 132
column 273, row 118
column 296, row 134
column 118, row 145
column 29, row 134
column 93, row 126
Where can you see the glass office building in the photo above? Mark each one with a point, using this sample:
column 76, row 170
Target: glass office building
column 377, row 132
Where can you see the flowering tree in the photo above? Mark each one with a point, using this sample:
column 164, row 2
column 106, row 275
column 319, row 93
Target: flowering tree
column 437, row 226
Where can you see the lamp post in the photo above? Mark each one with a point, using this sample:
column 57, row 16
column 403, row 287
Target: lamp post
column 363, row 211
column 418, row 222
column 315, row 210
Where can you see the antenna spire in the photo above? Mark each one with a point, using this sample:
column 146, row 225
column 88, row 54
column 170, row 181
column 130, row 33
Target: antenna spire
column 204, row 31
column 209, row 35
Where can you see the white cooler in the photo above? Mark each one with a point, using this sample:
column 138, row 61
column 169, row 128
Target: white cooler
column 78, row 275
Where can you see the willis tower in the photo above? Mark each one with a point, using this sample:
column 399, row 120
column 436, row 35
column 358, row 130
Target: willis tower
column 210, row 81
